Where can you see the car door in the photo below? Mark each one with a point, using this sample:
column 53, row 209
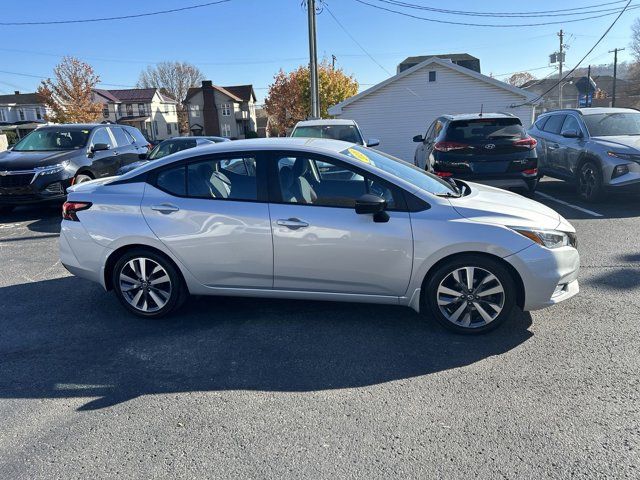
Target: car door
column 126, row 150
column 321, row 244
column 571, row 147
column 538, row 133
column 420, row 155
column 215, row 222
column 552, row 129
column 430, row 142
column 103, row 162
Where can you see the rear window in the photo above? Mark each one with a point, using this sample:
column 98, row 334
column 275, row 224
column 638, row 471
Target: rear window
column 346, row 133
column 481, row 129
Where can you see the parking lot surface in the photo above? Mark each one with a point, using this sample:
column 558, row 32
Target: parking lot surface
column 244, row 388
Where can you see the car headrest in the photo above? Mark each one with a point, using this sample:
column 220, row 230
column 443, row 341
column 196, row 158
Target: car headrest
column 300, row 167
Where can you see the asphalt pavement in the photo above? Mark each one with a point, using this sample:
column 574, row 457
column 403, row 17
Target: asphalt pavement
column 242, row 388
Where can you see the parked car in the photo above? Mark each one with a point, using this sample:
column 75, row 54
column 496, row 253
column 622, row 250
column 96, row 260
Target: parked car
column 596, row 148
column 169, row 146
column 345, row 130
column 491, row 148
column 259, row 218
column 41, row 166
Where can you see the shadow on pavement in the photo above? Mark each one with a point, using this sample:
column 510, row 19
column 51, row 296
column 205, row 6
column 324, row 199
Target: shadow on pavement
column 626, row 278
column 67, row 338
column 40, row 218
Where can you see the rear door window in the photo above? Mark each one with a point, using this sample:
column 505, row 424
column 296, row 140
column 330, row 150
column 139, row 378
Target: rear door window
column 122, row 140
column 101, row 135
column 481, row 130
column 554, row 124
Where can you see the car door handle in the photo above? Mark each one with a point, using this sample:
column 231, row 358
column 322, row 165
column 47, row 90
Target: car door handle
column 165, row 208
column 553, row 146
column 292, row 223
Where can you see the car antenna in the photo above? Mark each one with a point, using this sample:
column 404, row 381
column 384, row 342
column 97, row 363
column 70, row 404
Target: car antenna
column 481, row 105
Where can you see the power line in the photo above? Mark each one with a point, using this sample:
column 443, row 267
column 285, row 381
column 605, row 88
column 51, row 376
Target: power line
column 122, row 17
column 492, row 25
column 548, row 13
column 560, row 80
column 42, row 77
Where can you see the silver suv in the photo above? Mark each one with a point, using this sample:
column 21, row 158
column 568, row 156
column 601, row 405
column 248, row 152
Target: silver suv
column 597, row 148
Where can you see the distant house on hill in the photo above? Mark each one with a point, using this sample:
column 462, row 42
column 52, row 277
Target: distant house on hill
column 463, row 59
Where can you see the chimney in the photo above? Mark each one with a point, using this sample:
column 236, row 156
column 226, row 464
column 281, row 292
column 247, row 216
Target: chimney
column 17, row 92
column 209, row 109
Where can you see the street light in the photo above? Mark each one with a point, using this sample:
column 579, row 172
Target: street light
column 570, row 82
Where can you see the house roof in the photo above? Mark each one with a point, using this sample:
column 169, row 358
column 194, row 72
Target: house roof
column 603, row 82
column 134, row 95
column 454, row 57
column 238, row 93
column 20, row 98
column 527, row 96
column 106, row 94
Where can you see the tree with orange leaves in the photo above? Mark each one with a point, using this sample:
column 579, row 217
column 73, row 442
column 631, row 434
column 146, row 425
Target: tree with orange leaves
column 69, row 98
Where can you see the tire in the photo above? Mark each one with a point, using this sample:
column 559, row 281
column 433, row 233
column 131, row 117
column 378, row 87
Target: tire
column 589, row 182
column 532, row 184
column 81, row 178
column 470, row 311
column 145, row 298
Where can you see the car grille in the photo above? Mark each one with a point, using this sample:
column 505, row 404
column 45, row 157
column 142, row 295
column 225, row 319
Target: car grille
column 16, row 180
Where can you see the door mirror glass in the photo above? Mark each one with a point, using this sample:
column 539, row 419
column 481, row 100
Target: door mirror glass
column 571, row 133
column 373, row 142
column 99, row 147
column 418, row 138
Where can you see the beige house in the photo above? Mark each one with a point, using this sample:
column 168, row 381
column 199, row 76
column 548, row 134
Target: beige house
column 150, row 110
column 221, row 111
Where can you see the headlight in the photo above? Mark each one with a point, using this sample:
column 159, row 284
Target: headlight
column 51, row 169
column 548, row 238
column 625, row 156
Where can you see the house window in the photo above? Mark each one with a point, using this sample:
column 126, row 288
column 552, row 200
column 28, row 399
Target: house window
column 105, row 110
column 226, row 109
column 38, row 113
column 240, row 128
column 168, row 129
column 21, row 114
column 119, row 109
column 226, row 130
column 432, row 76
column 129, row 110
column 3, row 116
column 141, row 109
column 195, row 110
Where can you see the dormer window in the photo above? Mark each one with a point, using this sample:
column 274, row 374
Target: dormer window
column 432, row 76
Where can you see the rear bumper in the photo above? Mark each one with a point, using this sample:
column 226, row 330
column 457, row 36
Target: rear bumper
column 548, row 276
column 80, row 254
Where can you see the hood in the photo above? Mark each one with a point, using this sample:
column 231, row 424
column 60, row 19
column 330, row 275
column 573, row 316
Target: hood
column 11, row 160
column 493, row 205
column 626, row 141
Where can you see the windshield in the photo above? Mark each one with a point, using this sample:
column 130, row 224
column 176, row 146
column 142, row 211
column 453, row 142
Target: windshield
column 401, row 169
column 53, row 140
column 611, row 124
column 346, row 133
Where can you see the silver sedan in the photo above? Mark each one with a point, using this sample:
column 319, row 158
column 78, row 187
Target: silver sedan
column 319, row 220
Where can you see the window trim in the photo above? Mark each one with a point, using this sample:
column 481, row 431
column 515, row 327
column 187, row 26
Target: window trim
column 275, row 194
column 261, row 174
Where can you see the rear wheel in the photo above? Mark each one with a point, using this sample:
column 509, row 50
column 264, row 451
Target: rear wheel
column 471, row 294
column 589, row 182
column 148, row 284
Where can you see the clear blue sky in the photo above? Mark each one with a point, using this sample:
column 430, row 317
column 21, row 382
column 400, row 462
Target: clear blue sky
column 247, row 41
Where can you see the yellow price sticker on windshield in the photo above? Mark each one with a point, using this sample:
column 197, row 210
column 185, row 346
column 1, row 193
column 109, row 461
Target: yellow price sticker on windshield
column 359, row 155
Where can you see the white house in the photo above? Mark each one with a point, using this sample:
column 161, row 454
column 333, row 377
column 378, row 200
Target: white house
column 150, row 110
column 406, row 104
column 21, row 112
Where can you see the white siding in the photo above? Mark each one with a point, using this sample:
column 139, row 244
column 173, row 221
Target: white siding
column 407, row 106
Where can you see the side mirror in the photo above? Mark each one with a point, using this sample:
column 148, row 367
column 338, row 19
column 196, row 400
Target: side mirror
column 418, row 138
column 372, row 204
column 571, row 134
column 99, row 147
column 372, row 142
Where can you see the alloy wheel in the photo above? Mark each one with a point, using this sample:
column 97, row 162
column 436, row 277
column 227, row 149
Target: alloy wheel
column 145, row 284
column 470, row 297
column 587, row 180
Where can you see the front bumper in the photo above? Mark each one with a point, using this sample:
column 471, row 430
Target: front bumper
column 30, row 188
column 549, row 276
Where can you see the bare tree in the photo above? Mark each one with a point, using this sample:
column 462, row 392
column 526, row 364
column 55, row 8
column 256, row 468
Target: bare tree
column 175, row 78
column 634, row 69
column 69, row 98
column 520, row 78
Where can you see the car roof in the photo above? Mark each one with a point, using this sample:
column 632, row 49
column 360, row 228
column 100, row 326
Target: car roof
column 79, row 126
column 593, row 110
column 323, row 122
column 478, row 116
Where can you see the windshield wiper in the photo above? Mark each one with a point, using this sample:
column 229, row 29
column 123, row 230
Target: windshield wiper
column 448, row 195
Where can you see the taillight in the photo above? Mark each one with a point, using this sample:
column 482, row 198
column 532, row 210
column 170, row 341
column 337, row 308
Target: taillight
column 530, row 171
column 149, row 146
column 70, row 209
column 528, row 142
column 449, row 146
column 444, row 174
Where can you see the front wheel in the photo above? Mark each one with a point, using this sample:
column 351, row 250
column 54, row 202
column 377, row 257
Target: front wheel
column 147, row 284
column 471, row 294
column 589, row 182
column 81, row 178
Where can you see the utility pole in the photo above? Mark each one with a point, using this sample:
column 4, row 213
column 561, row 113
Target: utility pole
column 589, row 98
column 560, row 60
column 615, row 74
column 313, row 60
column 333, row 62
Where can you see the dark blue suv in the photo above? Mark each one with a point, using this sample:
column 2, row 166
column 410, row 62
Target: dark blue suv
column 490, row 148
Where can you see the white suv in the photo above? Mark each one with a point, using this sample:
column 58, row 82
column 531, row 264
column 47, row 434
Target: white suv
column 345, row 130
